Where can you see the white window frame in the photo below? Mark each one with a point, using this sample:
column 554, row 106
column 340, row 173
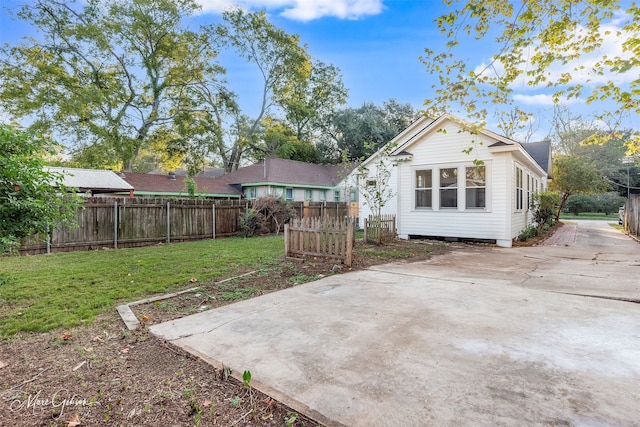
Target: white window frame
column 424, row 189
column 308, row 195
column 519, row 190
column 441, row 188
column 475, row 187
column 336, row 195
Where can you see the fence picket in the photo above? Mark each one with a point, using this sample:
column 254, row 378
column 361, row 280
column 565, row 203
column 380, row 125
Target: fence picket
column 124, row 222
column 330, row 238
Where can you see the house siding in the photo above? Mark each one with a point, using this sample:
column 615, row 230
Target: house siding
column 499, row 220
column 440, row 150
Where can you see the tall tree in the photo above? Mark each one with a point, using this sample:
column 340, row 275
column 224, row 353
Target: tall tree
column 534, row 40
column 279, row 140
column 357, row 133
column 280, row 61
column 574, row 175
column 309, row 102
column 32, row 199
column 107, row 76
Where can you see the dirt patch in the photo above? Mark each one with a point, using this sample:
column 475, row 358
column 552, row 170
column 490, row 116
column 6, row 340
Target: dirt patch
column 284, row 274
column 105, row 375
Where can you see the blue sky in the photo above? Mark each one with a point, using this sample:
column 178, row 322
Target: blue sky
column 375, row 43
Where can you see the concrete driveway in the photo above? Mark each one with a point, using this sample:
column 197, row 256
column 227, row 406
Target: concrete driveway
column 484, row 336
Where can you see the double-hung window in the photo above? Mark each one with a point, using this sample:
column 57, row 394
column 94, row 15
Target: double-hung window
column 476, row 187
column 423, row 188
column 519, row 189
column 288, row 194
column 308, row 195
column 449, row 188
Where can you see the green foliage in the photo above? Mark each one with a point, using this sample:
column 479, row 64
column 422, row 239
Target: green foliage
column 190, row 183
column 607, row 203
column 545, row 206
column 246, row 378
column 528, row 233
column 357, row 133
column 545, row 43
column 578, row 203
column 279, row 140
column 280, row 60
column 32, row 199
column 574, row 175
column 107, row 75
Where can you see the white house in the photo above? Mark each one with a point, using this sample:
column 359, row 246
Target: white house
column 443, row 190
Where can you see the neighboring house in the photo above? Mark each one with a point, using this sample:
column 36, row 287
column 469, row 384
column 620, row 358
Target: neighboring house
column 93, row 182
column 207, row 172
column 293, row 180
column 171, row 185
column 441, row 192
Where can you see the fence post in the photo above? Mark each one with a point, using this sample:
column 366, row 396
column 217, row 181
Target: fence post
column 286, row 240
column 115, row 224
column 350, row 231
column 365, row 230
column 48, row 240
column 213, row 214
column 168, row 223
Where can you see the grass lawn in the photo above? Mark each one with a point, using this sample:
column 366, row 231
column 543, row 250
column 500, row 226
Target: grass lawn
column 43, row 292
column 591, row 215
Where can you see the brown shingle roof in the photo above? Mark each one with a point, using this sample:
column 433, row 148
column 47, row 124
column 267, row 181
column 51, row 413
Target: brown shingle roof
column 162, row 184
column 291, row 172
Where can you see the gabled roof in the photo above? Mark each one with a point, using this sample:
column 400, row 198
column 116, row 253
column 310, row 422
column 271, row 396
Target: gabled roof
column 425, row 125
column 541, row 153
column 163, row 185
column 288, row 172
column 94, row 180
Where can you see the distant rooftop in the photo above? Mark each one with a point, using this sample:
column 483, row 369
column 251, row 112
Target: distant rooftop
column 94, row 180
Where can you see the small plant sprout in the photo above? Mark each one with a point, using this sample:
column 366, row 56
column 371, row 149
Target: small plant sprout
column 246, row 378
column 290, row 418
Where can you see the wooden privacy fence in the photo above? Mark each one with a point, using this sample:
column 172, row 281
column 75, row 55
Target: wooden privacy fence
column 105, row 222
column 329, row 238
column 380, row 229
column 632, row 215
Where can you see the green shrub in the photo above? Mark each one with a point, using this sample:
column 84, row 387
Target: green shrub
column 528, row 233
column 252, row 223
column 578, row 203
column 545, row 206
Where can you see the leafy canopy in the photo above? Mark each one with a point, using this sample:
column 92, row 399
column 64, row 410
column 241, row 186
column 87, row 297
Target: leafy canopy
column 31, row 198
column 544, row 43
column 574, row 175
column 109, row 77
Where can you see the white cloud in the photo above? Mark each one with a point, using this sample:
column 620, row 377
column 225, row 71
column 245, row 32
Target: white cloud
column 301, row 10
column 307, row 10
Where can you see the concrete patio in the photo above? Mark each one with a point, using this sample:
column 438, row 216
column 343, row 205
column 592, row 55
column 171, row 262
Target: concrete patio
column 484, row 336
